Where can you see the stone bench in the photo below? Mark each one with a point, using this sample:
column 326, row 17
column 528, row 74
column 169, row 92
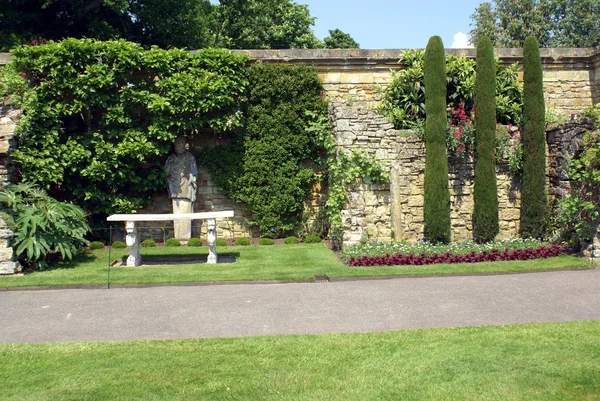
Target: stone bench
column 133, row 240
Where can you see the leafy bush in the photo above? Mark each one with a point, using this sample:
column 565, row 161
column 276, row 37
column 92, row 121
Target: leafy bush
column 404, row 99
column 194, row 242
column 99, row 116
column 119, row 245
column 221, row 242
column 473, row 257
column 263, row 166
column 171, row 242
column 290, row 240
column 96, row 245
column 436, row 210
column 312, row 239
column 243, row 241
column 534, row 201
column 485, row 196
column 266, row 241
column 44, row 227
column 148, row 243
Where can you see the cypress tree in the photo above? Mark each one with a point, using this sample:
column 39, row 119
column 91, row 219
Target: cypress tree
column 437, row 195
column 534, row 202
column 485, row 214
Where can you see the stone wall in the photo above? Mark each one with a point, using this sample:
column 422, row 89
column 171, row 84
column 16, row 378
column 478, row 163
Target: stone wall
column 8, row 121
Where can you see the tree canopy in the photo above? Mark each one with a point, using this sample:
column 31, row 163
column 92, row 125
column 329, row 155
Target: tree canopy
column 234, row 24
column 555, row 23
column 338, row 39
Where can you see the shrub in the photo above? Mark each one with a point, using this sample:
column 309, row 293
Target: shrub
column 312, row 239
column 148, row 243
column 437, row 195
column 119, row 245
column 44, row 227
column 221, row 242
column 96, row 245
column 194, row 242
column 172, row 242
column 266, row 241
column 243, row 241
column 485, row 214
column 290, row 240
column 534, row 202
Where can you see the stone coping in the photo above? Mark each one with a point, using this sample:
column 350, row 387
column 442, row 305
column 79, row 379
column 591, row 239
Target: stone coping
column 362, row 56
column 171, row 216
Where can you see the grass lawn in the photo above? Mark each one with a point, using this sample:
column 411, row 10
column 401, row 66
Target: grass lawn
column 285, row 262
column 555, row 361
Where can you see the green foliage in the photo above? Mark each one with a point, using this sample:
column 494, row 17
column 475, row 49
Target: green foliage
column 580, row 211
column 555, row 23
column 340, row 40
column 172, row 242
column 148, row 243
column 100, row 116
column 221, row 242
column 312, row 239
column 485, row 214
column 96, row 245
column 404, row 99
column 437, row 195
column 290, row 240
column 534, row 202
column 266, row 241
column 12, row 85
column 263, row 167
column 119, row 245
column 243, row 241
column 45, row 227
column 194, row 242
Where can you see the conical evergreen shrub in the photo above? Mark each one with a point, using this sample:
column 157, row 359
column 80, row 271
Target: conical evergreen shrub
column 534, row 202
column 485, row 214
column 437, row 195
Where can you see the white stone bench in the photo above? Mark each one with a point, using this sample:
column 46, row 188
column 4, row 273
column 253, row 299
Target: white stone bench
column 133, row 241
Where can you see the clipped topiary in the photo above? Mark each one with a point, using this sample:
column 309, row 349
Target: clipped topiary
column 172, row 242
column 290, row 240
column 266, row 241
column 534, row 202
column 312, row 239
column 437, row 195
column 194, row 242
column 485, row 196
column 148, row 243
column 243, row 241
column 119, row 245
column 221, row 242
column 96, row 245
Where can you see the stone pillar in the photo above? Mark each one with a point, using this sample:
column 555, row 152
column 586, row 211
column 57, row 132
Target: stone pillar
column 182, row 229
column 212, row 241
column 133, row 243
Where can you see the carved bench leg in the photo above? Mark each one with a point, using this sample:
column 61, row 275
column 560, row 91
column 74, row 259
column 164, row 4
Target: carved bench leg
column 212, row 241
column 133, row 243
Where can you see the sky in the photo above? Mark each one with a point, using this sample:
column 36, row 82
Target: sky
column 395, row 24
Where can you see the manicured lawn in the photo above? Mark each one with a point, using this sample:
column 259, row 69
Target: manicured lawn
column 556, row 361
column 285, row 262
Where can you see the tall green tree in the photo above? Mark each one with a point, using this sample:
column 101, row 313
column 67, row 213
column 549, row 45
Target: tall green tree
column 534, row 202
column 340, row 40
column 485, row 214
column 555, row 23
column 437, row 195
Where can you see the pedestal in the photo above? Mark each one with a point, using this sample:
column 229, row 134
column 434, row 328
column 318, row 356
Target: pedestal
column 182, row 229
column 212, row 241
column 133, row 243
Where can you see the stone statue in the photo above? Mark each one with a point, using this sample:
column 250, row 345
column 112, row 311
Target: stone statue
column 182, row 173
column 134, row 258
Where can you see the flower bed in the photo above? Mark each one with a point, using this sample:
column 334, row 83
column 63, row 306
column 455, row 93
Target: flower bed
column 472, row 257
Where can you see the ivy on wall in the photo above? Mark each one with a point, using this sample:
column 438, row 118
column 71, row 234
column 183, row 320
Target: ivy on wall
column 101, row 116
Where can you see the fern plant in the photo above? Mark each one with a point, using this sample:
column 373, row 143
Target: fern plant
column 44, row 227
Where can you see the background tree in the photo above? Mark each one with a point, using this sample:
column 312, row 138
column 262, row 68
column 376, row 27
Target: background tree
column 555, row 23
column 485, row 214
column 534, row 202
column 340, row 40
column 437, row 195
